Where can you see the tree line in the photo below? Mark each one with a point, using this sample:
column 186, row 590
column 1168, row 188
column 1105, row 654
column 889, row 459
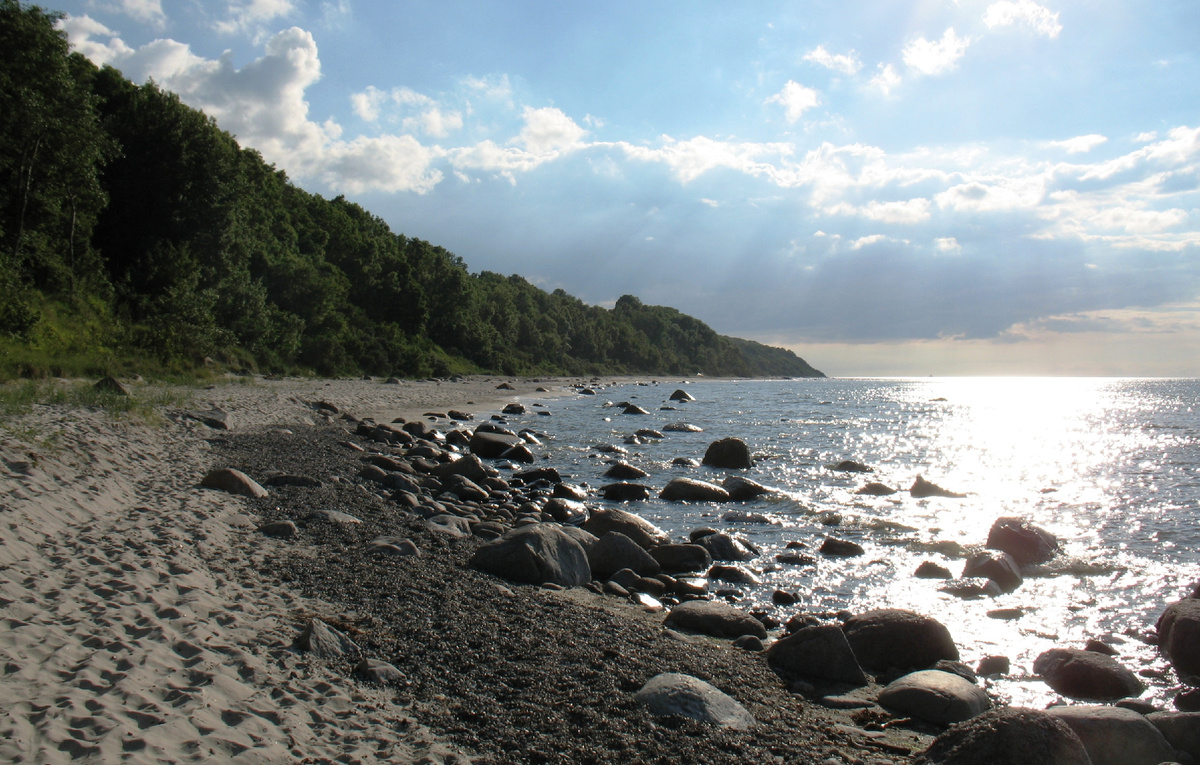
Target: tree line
column 133, row 231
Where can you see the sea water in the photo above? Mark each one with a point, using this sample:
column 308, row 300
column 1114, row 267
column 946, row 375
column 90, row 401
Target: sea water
column 1111, row 467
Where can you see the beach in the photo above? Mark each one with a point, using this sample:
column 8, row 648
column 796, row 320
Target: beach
column 147, row 619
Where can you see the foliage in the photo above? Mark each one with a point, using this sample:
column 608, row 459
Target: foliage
column 136, row 233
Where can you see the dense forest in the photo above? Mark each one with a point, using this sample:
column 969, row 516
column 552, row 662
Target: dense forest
column 136, row 235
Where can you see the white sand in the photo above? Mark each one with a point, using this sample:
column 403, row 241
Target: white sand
column 132, row 627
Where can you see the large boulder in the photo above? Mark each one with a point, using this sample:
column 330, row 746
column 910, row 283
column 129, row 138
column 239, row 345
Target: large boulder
column 680, row 559
column 1180, row 729
column 723, row 546
column 615, row 551
column 729, row 453
column 691, row 490
column 1022, row 540
column 492, row 446
column 1086, row 675
column 1116, row 736
column 234, row 482
column 625, row 492
column 922, row 488
column 686, row 696
column 541, row 553
column 742, row 489
column 1179, row 638
column 820, row 652
column 894, row 638
column 710, row 617
column 623, row 471
column 640, row 530
column 1007, row 736
column 998, row 566
column 937, row 697
column 681, row 395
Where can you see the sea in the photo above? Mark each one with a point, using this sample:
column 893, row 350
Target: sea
column 1110, row 466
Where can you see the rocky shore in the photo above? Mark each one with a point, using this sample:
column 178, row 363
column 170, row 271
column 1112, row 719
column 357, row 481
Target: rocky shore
column 328, row 599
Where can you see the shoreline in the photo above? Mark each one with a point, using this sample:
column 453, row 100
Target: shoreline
column 166, row 622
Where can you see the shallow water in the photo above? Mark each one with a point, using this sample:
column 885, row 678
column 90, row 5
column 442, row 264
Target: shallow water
column 1110, row 466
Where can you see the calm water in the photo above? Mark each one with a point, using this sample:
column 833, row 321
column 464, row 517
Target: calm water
column 1110, row 466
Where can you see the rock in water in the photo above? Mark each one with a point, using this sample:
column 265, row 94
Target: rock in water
column 675, row 694
column 731, row 453
column 234, row 482
column 922, row 488
column 681, row 395
column 998, row 566
column 936, row 697
column 894, row 638
column 1022, row 540
column 538, row 554
column 320, row 639
column 633, row 526
column 691, row 490
column 1007, row 736
column 1086, row 675
column 1179, row 636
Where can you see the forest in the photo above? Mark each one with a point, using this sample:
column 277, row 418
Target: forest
column 137, row 236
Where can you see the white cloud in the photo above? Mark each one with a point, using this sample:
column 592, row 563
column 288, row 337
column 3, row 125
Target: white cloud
column 549, row 131
column 795, row 100
column 82, row 29
column 930, row 57
column 692, row 158
column 886, row 79
column 436, row 122
column 368, row 103
column 847, row 63
column 909, row 211
column 247, row 14
column 1008, row 12
column 947, row 244
column 1146, row 137
column 866, row 241
column 1079, row 144
column 147, row 11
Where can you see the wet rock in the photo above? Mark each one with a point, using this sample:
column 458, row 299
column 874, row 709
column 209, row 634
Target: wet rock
column 1179, row 638
column 1180, row 729
column 633, row 409
column 1188, row 701
column 931, row 570
column 234, row 482
column 513, row 409
column 685, row 462
column 567, row 491
column 818, row 652
column 623, row 471
column 841, row 548
column 1005, row 614
column 319, row 639
column 722, row 546
column 459, row 416
column 742, row 489
column 971, row 587
column 733, row 574
column 993, row 665
column 729, row 453
column 851, row 466
column 1007, row 736
column 1114, row 736
column 540, row 474
column 796, row 559
column 625, row 492
column 896, row 638
column 679, row 559
column 1097, row 646
column 934, row 696
column 519, row 453
column 923, row 488
column 615, row 551
column 687, row 696
column 682, row 427
column 691, row 490
column 876, row 489
column 681, row 395
column 491, row 446
column 279, row 529
column 535, row 554
column 714, row 618
column 1022, row 540
column 649, row 433
column 1085, row 675
column 635, row 527
column 998, row 566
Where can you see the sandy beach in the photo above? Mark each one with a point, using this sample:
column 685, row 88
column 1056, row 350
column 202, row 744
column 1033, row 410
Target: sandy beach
column 146, row 620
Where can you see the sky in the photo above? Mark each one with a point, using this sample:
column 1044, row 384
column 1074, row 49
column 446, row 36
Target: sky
column 927, row 187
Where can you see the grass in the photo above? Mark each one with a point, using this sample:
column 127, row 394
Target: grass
column 144, row 405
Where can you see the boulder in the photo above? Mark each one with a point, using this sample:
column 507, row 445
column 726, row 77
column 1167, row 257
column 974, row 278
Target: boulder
column 691, row 490
column 513, row 409
column 615, row 551
column 742, row 489
column 1180, row 729
column 730, row 453
column 623, row 471
column 722, row 546
column 820, row 652
column 714, row 618
column 400, row 547
column 635, row 527
column 1007, row 736
column 841, row 548
column 279, row 529
column 876, row 489
column 680, row 559
column 733, row 574
column 450, row 525
column 625, row 492
column 492, row 446
column 1179, row 638
column 894, row 638
column 542, row 553
column 633, row 409
column 937, row 697
column 1115, row 736
column 519, row 453
column 998, row 566
column 851, row 466
column 319, row 639
column 681, row 395
column 1086, row 675
column 1022, row 540
column 682, row 427
column 375, row 671
column 234, row 482
column 686, row 696
column 568, row 512
column 971, row 587
column 922, row 488
column 930, row 570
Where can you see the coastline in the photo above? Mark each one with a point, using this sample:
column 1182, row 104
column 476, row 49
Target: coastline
column 148, row 620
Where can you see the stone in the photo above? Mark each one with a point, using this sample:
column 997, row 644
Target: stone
column 851, row 466
column 623, row 471
column 399, row 547
column 299, row 481
column 722, row 546
column 691, row 490
column 633, row 409
column 733, row 575
column 1086, row 675
column 460, row 416
column 937, row 697
column 279, row 529
column 875, row 489
column 930, row 570
column 110, row 385
column 682, row 427
column 714, row 618
column 625, row 492
column 450, row 525
column 681, row 395
column 742, row 489
column 333, row 516
column 234, row 482
column 321, row 640
column 539, row 474
column 998, row 566
column 513, row 409
column 615, row 551
column 566, row 511
column 375, row 671
column 841, row 548
column 468, row 466
column 819, row 652
column 922, row 488
column 680, row 559
column 993, row 665
column 1115, row 736
column 519, row 453
column 491, row 446
column 633, row 526
column 1180, row 729
column 895, row 638
column 1022, row 540
column 537, row 554
column 217, row 419
column 1179, row 638
column 1007, row 736
column 729, row 453
column 971, row 587
column 686, row 696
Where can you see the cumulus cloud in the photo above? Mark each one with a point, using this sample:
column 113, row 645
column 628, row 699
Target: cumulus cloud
column 1009, row 12
column 692, row 158
column 416, row 111
column 935, row 56
column 1079, row 144
column 846, row 63
column 947, row 244
column 795, row 100
column 886, row 79
column 245, row 15
column 83, row 30
column 549, row 130
column 146, row 11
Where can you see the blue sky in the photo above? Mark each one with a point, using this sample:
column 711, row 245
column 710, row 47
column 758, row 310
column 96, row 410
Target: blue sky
column 888, row 188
